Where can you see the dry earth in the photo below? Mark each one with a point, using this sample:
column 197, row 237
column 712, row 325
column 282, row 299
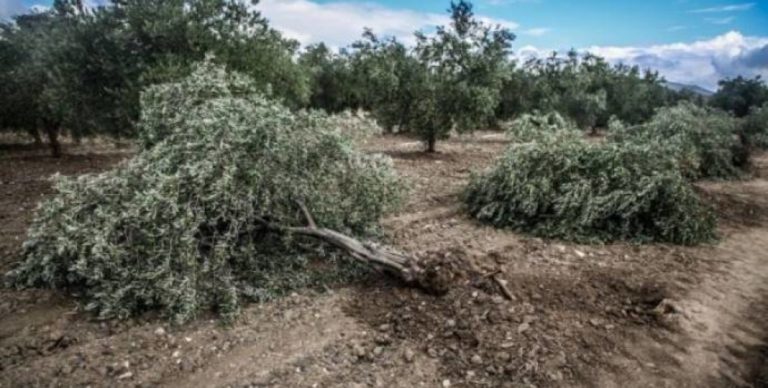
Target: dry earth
column 604, row 316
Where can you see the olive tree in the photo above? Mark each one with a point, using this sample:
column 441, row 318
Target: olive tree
column 33, row 46
column 80, row 70
column 739, row 95
column 229, row 199
column 462, row 68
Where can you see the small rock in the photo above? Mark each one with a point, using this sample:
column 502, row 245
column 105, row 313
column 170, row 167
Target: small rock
column 385, row 327
column 594, row 322
column 358, row 350
column 66, row 369
column 55, row 335
column 476, row 359
column 523, row 327
column 556, row 375
column 124, row 376
column 160, row 331
column 580, row 253
column 378, row 350
column 666, row 306
column 176, row 354
column 450, row 323
column 383, row 339
column 446, row 383
column 409, row 355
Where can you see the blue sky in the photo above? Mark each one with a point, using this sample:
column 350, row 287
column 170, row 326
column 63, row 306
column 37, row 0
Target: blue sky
column 606, row 22
column 690, row 41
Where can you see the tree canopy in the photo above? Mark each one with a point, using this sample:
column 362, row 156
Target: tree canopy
column 740, row 95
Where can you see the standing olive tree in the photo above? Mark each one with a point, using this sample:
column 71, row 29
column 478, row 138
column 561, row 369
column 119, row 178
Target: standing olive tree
column 33, row 47
column 463, row 67
column 81, row 70
column 739, row 95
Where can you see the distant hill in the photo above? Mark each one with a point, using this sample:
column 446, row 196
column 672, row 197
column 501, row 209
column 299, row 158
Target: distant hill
column 678, row 87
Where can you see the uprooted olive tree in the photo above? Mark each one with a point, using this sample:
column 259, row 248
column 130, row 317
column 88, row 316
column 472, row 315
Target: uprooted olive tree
column 230, row 197
column 706, row 143
column 556, row 184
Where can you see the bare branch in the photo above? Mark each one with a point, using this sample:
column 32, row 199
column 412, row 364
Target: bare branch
column 307, row 215
column 404, row 267
column 503, row 286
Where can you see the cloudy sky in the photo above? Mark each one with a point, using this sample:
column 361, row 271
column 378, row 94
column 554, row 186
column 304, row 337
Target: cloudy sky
column 689, row 41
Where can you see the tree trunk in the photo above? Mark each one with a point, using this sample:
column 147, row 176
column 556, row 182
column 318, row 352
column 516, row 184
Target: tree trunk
column 404, row 267
column 432, row 144
column 53, row 140
column 36, row 137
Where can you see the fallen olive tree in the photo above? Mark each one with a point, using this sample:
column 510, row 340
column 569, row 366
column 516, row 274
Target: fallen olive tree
column 230, row 197
column 705, row 142
column 559, row 185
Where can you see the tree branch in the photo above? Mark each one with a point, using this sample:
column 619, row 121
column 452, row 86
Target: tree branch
column 404, row 267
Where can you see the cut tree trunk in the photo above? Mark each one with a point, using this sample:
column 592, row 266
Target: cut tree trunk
column 404, row 267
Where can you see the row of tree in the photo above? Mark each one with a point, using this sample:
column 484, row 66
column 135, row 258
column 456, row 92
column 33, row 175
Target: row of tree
column 82, row 71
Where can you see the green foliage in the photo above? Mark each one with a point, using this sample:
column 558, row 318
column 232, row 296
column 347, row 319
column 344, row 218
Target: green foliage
column 705, row 142
column 533, row 127
column 585, row 88
column 448, row 82
column 564, row 187
column 32, row 49
column 83, row 69
column 739, row 95
column 464, row 66
column 175, row 228
column 755, row 127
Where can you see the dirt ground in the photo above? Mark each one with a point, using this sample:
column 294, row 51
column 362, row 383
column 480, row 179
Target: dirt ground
column 617, row 315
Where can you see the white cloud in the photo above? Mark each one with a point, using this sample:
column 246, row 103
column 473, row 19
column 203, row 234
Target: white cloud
column 702, row 63
column 39, row 8
column 9, row 8
column 725, row 8
column 725, row 20
column 536, row 31
column 340, row 23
